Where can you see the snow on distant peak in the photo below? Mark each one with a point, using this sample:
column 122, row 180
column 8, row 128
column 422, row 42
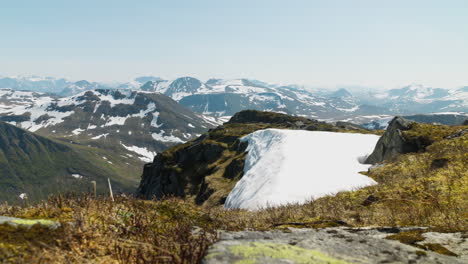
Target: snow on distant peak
column 294, row 166
column 143, row 153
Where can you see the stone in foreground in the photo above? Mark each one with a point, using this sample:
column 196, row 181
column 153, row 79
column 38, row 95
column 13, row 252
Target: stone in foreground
column 317, row 246
column 27, row 223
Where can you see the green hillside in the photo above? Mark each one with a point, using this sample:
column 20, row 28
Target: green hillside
column 39, row 166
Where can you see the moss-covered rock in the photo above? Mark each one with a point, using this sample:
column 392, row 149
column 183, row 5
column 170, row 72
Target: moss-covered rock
column 28, row 223
column 256, row 252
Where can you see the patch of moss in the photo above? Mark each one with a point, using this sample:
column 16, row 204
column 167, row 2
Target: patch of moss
column 32, row 222
column 428, row 133
column 408, row 237
column 253, row 250
column 18, row 241
column 438, row 248
column 314, row 224
column 413, row 237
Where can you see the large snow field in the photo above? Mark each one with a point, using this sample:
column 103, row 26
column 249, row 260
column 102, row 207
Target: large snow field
column 295, row 166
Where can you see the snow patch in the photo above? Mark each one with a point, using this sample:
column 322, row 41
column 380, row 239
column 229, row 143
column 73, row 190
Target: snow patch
column 77, row 131
column 294, row 166
column 144, row 154
column 100, row 136
column 77, row 176
column 160, row 137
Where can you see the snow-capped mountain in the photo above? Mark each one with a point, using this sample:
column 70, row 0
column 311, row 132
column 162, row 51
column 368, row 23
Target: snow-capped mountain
column 143, row 123
column 10, row 99
column 220, row 97
column 80, row 86
column 446, row 118
column 223, row 98
column 136, row 83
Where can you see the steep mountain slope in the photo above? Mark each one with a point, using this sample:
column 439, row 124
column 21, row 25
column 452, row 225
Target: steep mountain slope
column 38, row 166
column 143, row 123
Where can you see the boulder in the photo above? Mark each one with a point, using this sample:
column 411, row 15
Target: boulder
column 328, row 245
column 392, row 142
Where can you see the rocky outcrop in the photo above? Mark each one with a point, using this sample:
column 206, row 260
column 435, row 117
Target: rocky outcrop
column 329, row 245
column 253, row 116
column 206, row 169
column 458, row 134
column 392, row 143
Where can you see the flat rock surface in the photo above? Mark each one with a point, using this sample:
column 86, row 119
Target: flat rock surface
column 328, row 245
column 20, row 222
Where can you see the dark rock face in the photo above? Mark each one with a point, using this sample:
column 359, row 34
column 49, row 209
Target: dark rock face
column 167, row 175
column 392, row 143
column 165, row 183
column 252, row 116
column 235, row 169
column 465, row 123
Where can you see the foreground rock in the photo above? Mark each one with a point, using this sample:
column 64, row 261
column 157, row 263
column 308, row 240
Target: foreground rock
column 28, row 223
column 329, row 245
column 392, row 143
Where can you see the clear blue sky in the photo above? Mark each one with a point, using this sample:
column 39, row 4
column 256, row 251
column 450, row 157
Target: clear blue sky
column 320, row 43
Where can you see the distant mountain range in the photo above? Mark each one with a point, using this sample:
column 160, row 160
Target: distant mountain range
column 447, row 118
column 220, row 97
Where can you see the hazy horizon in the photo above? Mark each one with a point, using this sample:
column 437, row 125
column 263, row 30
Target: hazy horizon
column 318, row 44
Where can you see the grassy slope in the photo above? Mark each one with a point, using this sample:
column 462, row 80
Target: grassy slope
column 39, row 166
column 414, row 189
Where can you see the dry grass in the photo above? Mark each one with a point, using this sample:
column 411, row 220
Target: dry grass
column 100, row 231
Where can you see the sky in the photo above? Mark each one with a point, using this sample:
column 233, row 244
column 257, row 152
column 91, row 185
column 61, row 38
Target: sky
column 318, row 43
